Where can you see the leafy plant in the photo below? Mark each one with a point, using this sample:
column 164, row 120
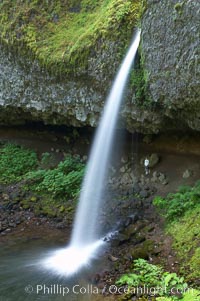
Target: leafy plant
column 190, row 295
column 149, row 273
column 172, row 280
column 153, row 276
column 145, row 274
column 64, row 180
column 129, row 279
column 15, row 161
column 176, row 204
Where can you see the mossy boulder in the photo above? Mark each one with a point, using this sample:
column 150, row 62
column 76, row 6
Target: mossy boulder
column 143, row 250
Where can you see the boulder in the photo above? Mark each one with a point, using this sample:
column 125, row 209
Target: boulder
column 159, row 178
column 153, row 160
column 187, row 174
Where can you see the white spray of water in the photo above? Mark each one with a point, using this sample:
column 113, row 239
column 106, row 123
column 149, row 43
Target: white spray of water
column 85, row 233
column 85, row 226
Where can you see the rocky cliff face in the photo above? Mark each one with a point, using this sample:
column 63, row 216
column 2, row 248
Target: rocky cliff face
column 171, row 47
column 28, row 93
column 170, row 59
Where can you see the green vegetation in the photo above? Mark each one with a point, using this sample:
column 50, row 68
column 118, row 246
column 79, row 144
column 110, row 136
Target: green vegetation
column 179, row 7
column 46, row 205
column 139, row 83
column 63, row 180
column 191, row 295
column 62, row 34
column 158, row 282
column 176, row 204
column 139, row 78
column 47, row 185
column 186, row 236
column 15, row 162
column 182, row 212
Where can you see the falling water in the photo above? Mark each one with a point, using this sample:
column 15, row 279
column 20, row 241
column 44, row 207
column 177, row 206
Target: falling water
column 85, row 240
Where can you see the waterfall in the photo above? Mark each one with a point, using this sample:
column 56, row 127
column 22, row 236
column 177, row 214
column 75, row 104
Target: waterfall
column 85, row 227
column 85, row 235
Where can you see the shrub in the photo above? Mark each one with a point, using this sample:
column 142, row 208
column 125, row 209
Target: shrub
column 145, row 274
column 152, row 276
column 65, row 179
column 15, row 161
column 176, row 204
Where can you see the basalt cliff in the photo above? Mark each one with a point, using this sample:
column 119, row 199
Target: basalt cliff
column 58, row 60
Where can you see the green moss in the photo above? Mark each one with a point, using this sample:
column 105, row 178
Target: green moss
column 47, row 206
column 33, row 199
column 62, row 34
column 143, row 250
column 62, row 209
column 139, row 83
column 178, row 7
column 182, row 212
column 139, row 79
column 186, row 235
column 190, row 295
column 195, row 263
column 164, row 299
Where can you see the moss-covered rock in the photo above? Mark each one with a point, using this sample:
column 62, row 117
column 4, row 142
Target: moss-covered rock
column 58, row 59
column 186, row 235
column 142, row 250
column 65, row 35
